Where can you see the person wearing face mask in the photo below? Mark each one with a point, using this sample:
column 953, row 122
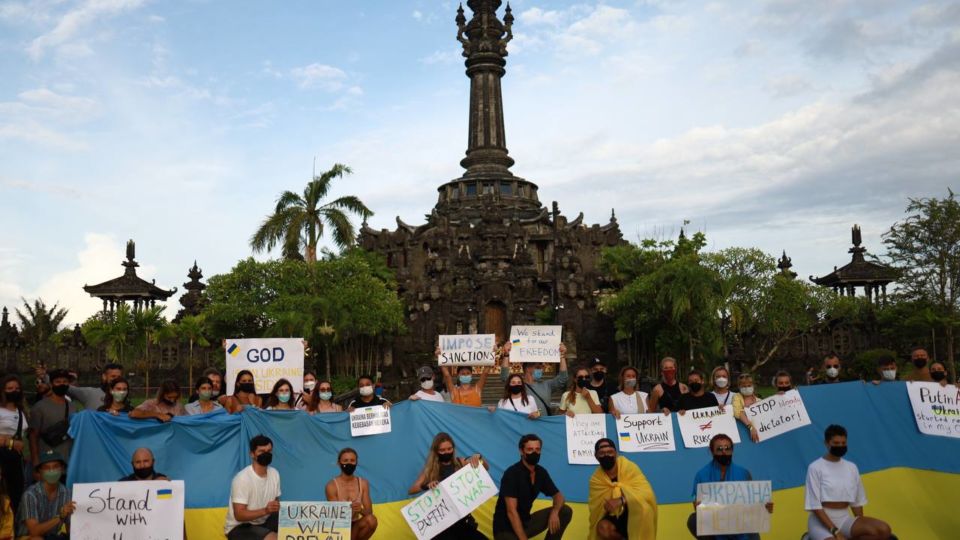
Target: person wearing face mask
column 244, row 394
column 599, row 383
column 834, row 490
column 938, row 372
column 629, row 400
column 162, row 408
column 427, row 392
column 622, row 503
column 442, row 462
column 519, row 487
column 142, row 463
column 89, row 397
column 46, row 506
column 746, row 397
column 515, row 398
column 783, row 382
column 831, row 370
column 216, row 383
column 697, row 397
column 281, row 396
column 665, row 396
column 13, row 428
column 887, row 368
column 541, row 390
column 254, row 509
column 721, row 469
column 921, row 366
column 50, row 419
column 347, row 487
column 580, row 398
column 368, row 397
column 309, row 385
column 323, row 401
column 720, row 381
column 205, row 399
column 117, row 400
column 467, row 390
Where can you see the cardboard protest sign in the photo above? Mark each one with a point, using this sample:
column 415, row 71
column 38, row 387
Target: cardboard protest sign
column 454, row 498
column 535, row 343
column 114, row 510
column 936, row 408
column 370, row 421
column 733, row 508
column 645, row 433
column 314, row 520
column 698, row 426
column 268, row 359
column 583, row 431
column 468, row 350
column 778, row 414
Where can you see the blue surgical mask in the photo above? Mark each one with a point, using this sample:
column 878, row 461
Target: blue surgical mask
column 466, row 379
column 326, row 396
column 537, row 374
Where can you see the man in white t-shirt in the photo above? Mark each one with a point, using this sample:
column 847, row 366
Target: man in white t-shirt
column 254, row 506
column 427, row 381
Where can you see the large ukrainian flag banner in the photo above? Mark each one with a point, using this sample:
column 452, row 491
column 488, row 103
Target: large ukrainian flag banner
column 912, row 480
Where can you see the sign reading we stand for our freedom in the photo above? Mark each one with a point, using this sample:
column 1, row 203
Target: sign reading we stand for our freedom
column 936, row 408
column 733, row 507
column 778, row 414
column 461, row 493
column 321, row 520
column 268, row 359
column 535, row 343
column 115, row 510
column 698, row 426
column 468, row 350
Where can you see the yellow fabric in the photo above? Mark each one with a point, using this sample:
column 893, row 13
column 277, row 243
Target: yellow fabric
column 633, row 486
column 580, row 406
column 737, row 405
column 471, row 397
column 6, row 521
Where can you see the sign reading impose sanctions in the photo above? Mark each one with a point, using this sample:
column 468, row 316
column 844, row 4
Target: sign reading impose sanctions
column 314, row 521
column 733, row 508
column 118, row 510
column 453, row 499
column 467, row 350
column 268, row 359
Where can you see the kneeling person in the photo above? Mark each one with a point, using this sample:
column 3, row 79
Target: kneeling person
column 519, row 487
column 355, row 490
column 622, row 503
column 254, row 509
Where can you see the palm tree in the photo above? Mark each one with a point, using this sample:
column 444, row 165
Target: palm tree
column 146, row 322
column 192, row 329
column 114, row 330
column 300, row 220
column 39, row 324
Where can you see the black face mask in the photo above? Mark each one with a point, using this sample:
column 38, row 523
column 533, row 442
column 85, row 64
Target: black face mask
column 532, row 459
column 723, row 459
column 59, row 389
column 598, row 376
column 247, row 387
column 17, row 396
column 607, row 462
column 783, row 389
column 144, row 472
column 920, row 363
column 695, row 386
column 168, row 402
column 265, row 458
column 445, row 457
column 935, row 375
column 348, row 468
column 582, row 382
column 838, row 451
column 516, row 388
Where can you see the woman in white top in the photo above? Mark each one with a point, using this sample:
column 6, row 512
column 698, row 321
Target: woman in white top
column 515, row 398
column 13, row 430
column 833, row 490
column 309, row 383
column 628, row 400
column 720, row 380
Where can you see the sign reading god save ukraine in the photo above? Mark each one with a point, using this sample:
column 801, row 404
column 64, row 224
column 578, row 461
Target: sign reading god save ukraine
column 698, row 426
column 467, row 350
column 733, row 508
column 778, row 414
column 535, row 343
column 147, row 509
column 370, row 421
column 936, row 408
column 268, row 359
column 645, row 433
column 583, row 431
column 314, row 520
column 454, row 498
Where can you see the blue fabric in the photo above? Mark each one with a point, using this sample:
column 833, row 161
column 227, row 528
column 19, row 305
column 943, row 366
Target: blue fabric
column 712, row 473
column 206, row 451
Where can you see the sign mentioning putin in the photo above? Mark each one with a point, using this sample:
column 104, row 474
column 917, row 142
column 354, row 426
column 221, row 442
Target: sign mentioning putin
column 268, row 359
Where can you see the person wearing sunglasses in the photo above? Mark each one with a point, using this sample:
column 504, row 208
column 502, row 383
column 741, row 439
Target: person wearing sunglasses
column 427, row 391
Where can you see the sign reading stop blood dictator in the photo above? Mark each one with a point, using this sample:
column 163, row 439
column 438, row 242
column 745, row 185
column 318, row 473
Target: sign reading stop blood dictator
column 269, row 360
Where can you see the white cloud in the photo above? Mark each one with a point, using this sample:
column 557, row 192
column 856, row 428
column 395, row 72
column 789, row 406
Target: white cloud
column 321, row 76
column 75, row 21
column 444, row 57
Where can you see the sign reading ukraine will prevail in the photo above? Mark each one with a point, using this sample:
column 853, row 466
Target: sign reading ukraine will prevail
column 936, row 408
column 454, row 498
column 698, row 426
column 468, row 350
column 646, row 433
column 268, row 359
column 583, row 431
column 733, row 508
column 147, row 509
column 314, row 520
column 535, row 343
column 778, row 414
column 370, row 421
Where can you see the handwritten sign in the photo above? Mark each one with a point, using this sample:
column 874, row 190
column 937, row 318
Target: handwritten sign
column 268, row 359
column 778, row 414
column 645, row 433
column 535, row 343
column 698, row 426
column 583, row 431
column 733, row 508
column 467, row 350
column 314, row 520
column 936, row 408
column 114, row 510
column 453, row 499
column 370, row 421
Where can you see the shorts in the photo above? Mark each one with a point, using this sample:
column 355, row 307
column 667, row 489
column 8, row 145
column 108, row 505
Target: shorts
column 842, row 519
column 249, row 531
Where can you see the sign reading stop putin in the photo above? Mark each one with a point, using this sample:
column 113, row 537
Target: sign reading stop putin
column 269, row 360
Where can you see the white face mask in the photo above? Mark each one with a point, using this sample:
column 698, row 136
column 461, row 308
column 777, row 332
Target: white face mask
column 427, row 385
column 832, row 372
column 746, row 391
column 310, row 385
column 889, row 374
column 629, row 383
column 366, row 391
column 720, row 382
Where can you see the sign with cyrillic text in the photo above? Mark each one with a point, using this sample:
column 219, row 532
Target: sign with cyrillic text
column 146, row 509
column 936, row 408
column 370, row 421
column 583, row 431
column 468, row 350
column 645, row 433
column 535, row 343
column 778, row 414
column 733, row 508
column 698, row 426
column 453, row 499
column 314, row 520
column 269, row 360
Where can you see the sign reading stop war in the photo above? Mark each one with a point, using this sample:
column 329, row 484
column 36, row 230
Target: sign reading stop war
column 314, row 521
column 370, row 421
column 467, row 350
column 453, row 499
column 535, row 343
column 126, row 510
column 936, row 408
column 778, row 414
column 733, row 508
column 698, row 426
column 268, row 359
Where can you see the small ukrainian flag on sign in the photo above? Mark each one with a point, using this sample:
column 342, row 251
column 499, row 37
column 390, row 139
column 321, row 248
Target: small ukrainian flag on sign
column 233, row 350
column 516, row 342
column 624, row 437
column 164, row 493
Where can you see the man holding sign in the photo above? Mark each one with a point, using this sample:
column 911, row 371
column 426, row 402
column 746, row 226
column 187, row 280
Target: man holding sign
column 622, row 503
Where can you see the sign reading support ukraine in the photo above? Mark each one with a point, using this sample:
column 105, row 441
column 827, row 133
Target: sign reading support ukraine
column 145, row 509
column 646, row 433
column 698, row 426
column 453, row 499
column 268, row 359
column 778, row 414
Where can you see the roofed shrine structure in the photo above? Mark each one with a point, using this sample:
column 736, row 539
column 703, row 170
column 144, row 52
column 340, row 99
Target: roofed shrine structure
column 193, row 300
column 129, row 287
column 871, row 276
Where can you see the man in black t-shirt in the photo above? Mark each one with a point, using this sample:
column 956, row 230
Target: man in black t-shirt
column 368, row 396
column 142, row 463
column 697, row 398
column 519, row 487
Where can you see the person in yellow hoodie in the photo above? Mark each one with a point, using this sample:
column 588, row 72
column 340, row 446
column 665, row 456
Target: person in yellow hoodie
column 622, row 503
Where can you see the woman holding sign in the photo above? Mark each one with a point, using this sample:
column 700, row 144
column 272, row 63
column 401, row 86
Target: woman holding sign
column 355, row 490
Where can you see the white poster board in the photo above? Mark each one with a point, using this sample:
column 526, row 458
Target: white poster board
column 535, row 343
column 583, row 431
column 461, row 493
column 698, row 426
column 646, row 433
column 144, row 509
column 733, row 508
column 269, row 360
column 314, row 520
column 778, row 414
column 468, row 350
column 936, row 408
column 370, row 421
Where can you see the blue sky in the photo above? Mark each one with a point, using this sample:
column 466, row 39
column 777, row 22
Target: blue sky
column 776, row 124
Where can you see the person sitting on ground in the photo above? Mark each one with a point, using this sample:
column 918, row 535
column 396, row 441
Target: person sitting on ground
column 580, row 398
column 746, row 397
column 205, row 403
column 920, row 359
column 697, row 397
column 519, row 487
column 832, row 370
column 164, row 407
column 216, row 383
column 515, row 398
column 281, row 396
column 600, row 384
column 783, row 382
column 442, row 461
column 13, row 428
column 89, row 397
column 7, row 519
column 720, row 469
column 254, row 509
column 347, row 487
column 621, row 501
column 540, row 389
column 142, row 463
column 665, row 396
column 887, row 368
column 465, row 391
column 50, row 419
column 629, row 400
column 938, row 372
column 720, row 384
column 244, row 394
column 368, row 397
column 46, row 506
column 323, row 401
column 309, row 385
column 117, row 400
column 427, row 392
column 834, row 489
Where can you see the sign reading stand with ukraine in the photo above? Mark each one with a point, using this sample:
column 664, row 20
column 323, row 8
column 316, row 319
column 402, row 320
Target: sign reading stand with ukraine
column 268, row 359
column 147, row 509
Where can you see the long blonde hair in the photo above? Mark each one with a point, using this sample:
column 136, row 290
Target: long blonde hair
column 431, row 470
column 572, row 392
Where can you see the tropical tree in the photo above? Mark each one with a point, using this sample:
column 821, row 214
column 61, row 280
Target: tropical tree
column 300, row 220
column 114, row 331
column 147, row 323
column 193, row 329
column 38, row 323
